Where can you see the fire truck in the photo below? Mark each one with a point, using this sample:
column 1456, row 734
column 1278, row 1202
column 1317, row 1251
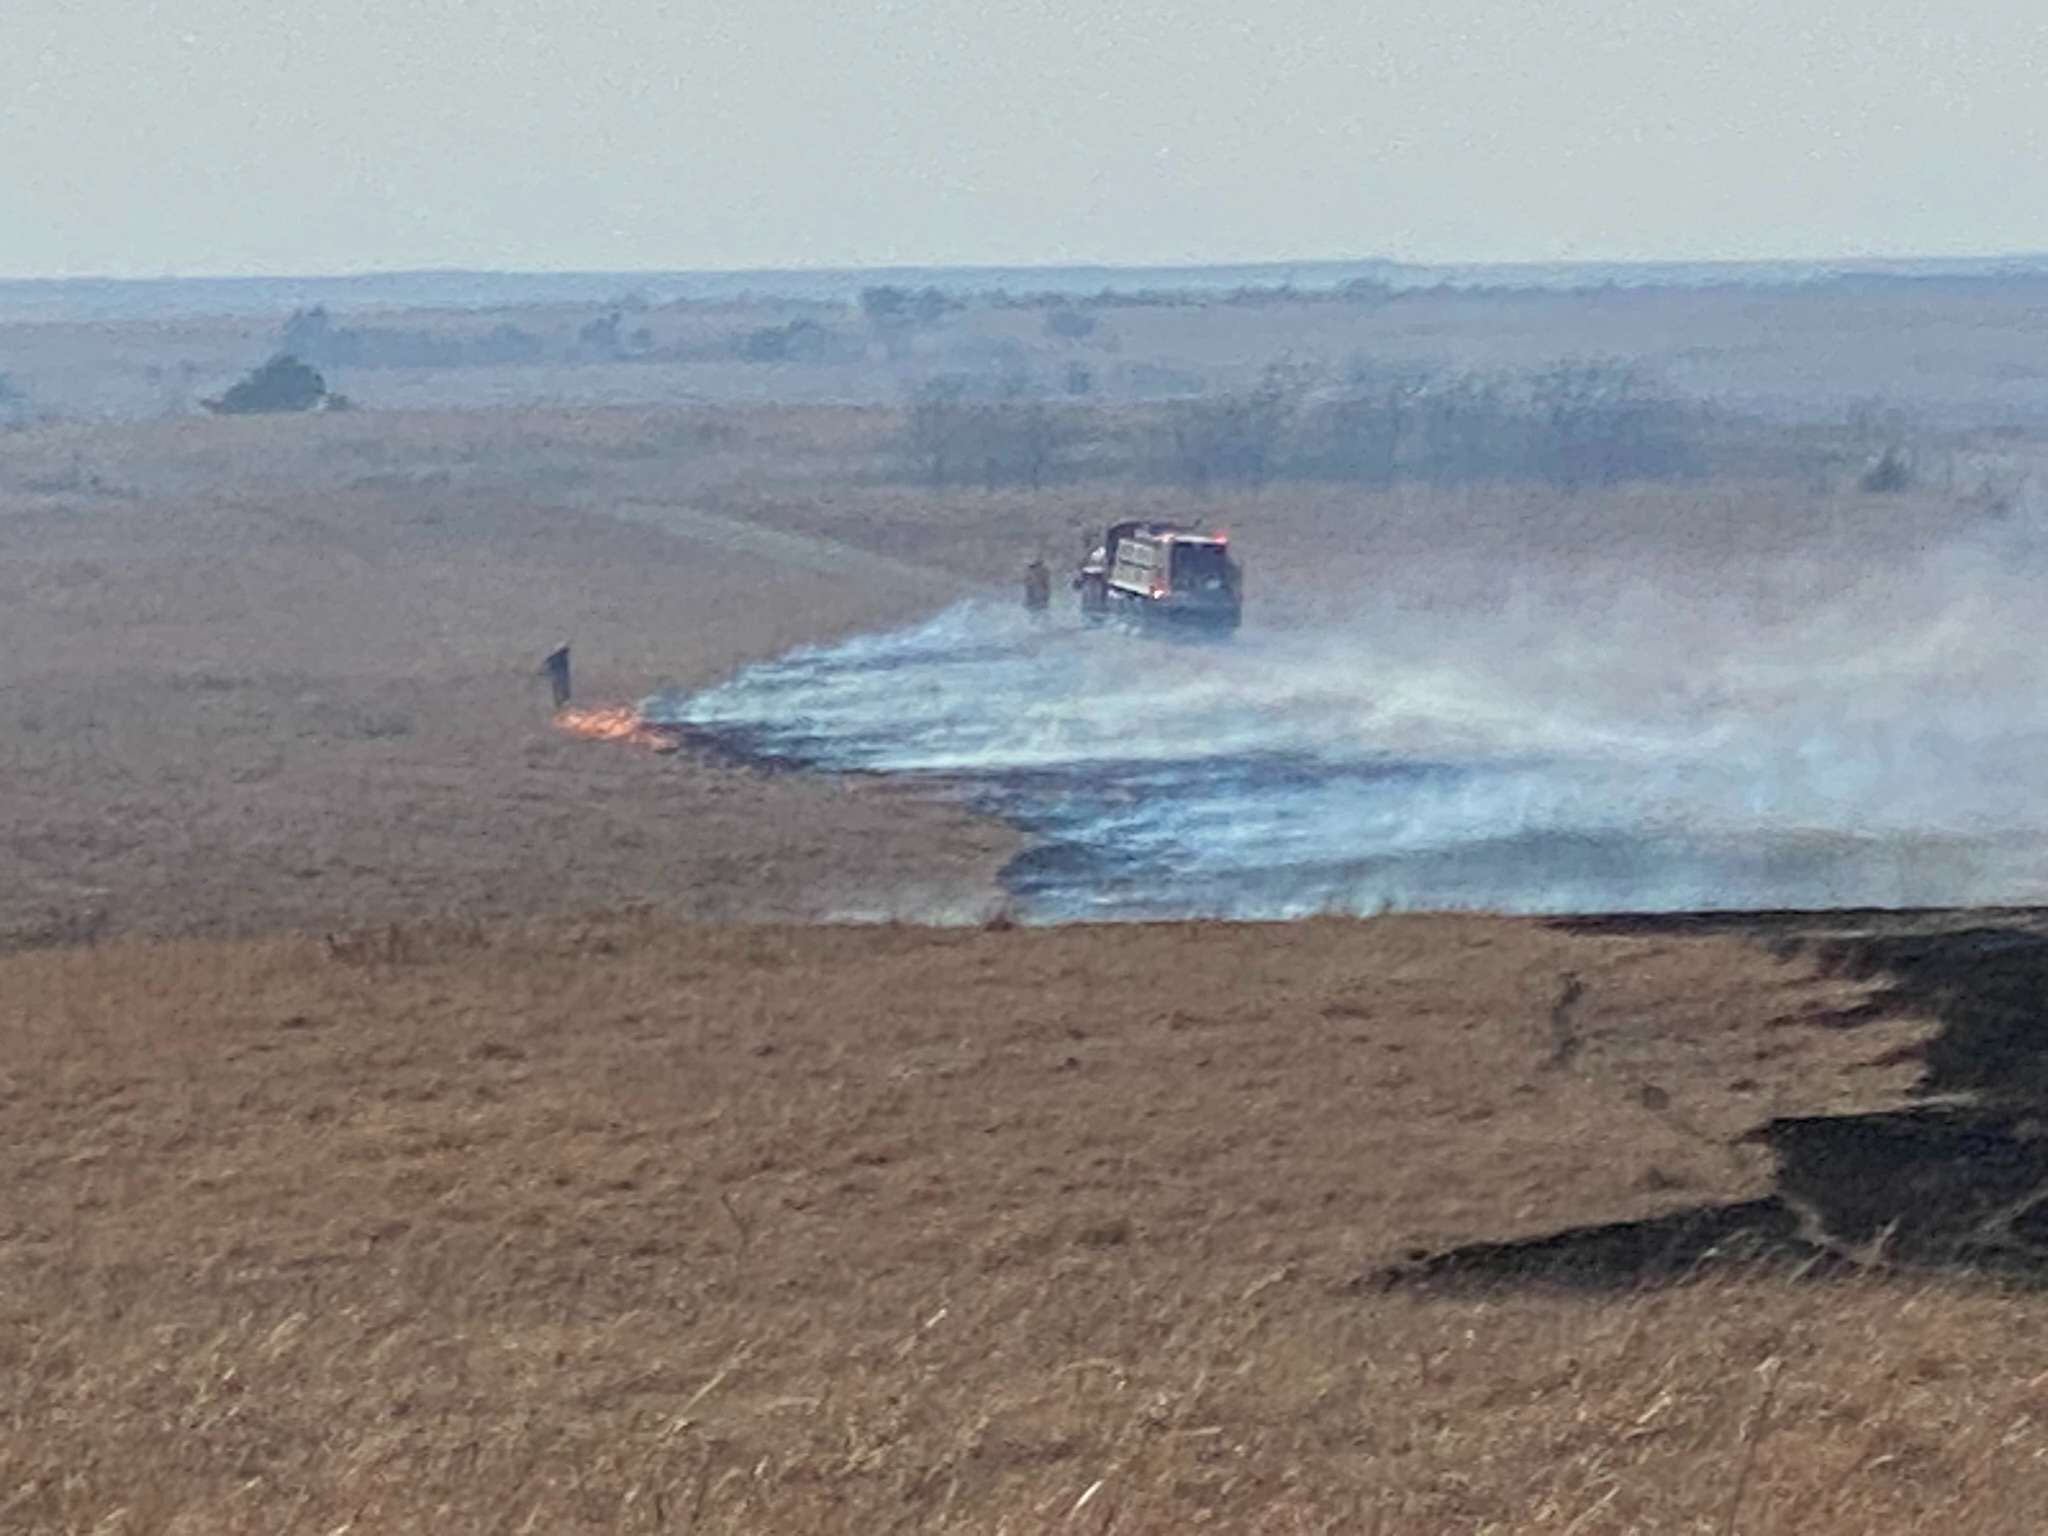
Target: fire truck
column 1162, row 575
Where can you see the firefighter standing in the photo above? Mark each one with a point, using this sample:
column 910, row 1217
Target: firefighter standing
column 557, row 669
column 1037, row 587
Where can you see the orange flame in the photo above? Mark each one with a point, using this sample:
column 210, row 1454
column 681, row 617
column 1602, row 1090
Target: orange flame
column 612, row 722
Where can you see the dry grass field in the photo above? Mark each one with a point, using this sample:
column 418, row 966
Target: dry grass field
column 253, row 676
column 270, row 674
column 413, row 1116
column 629, row 1226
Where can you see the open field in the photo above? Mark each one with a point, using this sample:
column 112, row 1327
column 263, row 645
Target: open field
column 274, row 673
column 244, row 691
column 621, row 1226
column 416, row 1115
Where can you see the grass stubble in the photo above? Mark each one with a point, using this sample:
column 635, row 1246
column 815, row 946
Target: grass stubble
column 529, row 1223
column 630, row 1225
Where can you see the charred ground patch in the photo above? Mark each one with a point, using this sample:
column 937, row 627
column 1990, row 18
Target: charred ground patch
column 1958, row 1183
column 1622, row 1254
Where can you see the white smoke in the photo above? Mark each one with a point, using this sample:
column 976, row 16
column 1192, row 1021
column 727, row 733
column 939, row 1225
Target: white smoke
column 1875, row 735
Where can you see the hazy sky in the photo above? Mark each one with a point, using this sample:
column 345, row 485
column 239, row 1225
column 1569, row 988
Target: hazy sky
column 140, row 137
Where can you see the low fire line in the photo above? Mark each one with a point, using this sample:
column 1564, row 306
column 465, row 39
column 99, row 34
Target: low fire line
column 615, row 722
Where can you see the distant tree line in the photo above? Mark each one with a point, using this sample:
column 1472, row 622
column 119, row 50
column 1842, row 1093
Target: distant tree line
column 606, row 336
column 312, row 335
column 1007, row 437
column 1574, row 424
column 1571, row 424
column 802, row 340
column 1358, row 290
column 895, row 315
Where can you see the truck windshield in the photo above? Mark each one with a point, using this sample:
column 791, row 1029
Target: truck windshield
column 1200, row 566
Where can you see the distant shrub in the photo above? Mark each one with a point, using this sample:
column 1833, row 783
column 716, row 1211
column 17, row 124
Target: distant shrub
column 283, row 384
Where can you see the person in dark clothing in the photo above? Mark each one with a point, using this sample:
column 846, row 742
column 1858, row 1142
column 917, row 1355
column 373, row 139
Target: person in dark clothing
column 1037, row 587
column 557, row 669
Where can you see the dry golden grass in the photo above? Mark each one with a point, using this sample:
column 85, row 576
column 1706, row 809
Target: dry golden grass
column 629, row 1226
column 263, row 674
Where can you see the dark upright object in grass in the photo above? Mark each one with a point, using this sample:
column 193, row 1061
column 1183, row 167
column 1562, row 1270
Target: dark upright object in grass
column 557, row 668
column 1037, row 587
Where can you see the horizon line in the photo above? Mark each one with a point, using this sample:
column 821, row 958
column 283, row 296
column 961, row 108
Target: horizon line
column 969, row 268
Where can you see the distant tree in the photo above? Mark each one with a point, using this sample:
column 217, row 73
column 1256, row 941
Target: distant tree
column 894, row 314
column 889, row 316
column 884, row 304
column 601, row 334
column 282, row 384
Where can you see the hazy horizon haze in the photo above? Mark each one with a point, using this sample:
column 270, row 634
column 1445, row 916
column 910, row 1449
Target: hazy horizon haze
column 221, row 137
